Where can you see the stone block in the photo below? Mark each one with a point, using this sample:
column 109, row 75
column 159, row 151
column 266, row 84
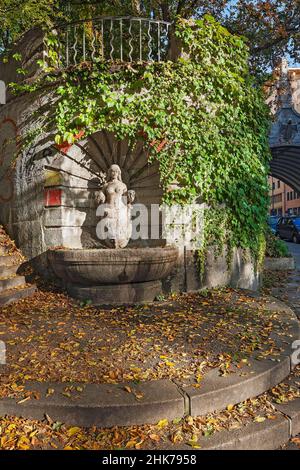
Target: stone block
column 101, row 405
column 117, row 294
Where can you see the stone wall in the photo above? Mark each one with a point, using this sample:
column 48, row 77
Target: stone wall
column 240, row 273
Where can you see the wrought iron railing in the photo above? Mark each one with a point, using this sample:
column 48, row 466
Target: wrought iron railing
column 125, row 39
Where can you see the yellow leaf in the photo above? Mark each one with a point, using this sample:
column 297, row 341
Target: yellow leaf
column 169, row 364
column 194, row 446
column 189, row 420
column 130, row 444
column 176, row 437
column 176, row 420
column 162, row 423
column 73, row 431
column 23, row 446
column 128, row 389
column 193, row 442
column 199, row 377
column 230, row 407
column 259, row 419
column 23, row 443
column 154, row 437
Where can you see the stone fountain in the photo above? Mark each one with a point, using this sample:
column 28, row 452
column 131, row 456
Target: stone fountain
column 115, row 273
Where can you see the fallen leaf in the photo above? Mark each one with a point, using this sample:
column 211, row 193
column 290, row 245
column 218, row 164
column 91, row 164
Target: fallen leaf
column 162, row 423
column 259, row 419
column 73, row 431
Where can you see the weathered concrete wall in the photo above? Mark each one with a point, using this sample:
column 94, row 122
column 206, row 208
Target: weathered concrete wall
column 240, row 273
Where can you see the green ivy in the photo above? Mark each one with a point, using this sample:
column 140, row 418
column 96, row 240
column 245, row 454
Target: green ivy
column 275, row 248
column 202, row 117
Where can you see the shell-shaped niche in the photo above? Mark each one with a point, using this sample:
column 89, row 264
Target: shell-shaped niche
column 83, row 167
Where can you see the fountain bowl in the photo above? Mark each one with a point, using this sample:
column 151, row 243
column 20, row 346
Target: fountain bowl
column 114, row 276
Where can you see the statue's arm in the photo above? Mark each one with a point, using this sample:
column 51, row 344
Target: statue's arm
column 130, row 196
column 100, row 197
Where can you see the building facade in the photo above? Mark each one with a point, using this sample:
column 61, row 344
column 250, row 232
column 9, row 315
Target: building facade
column 283, row 199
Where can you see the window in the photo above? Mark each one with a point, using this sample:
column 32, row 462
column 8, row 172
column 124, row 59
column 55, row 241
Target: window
column 273, row 185
column 288, row 196
column 276, row 198
column 278, row 184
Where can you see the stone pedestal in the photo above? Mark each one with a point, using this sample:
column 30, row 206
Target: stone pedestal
column 114, row 276
column 117, row 294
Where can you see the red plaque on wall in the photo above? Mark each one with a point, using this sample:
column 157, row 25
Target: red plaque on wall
column 53, row 197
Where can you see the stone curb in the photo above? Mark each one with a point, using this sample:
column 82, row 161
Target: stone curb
column 268, row 435
column 292, row 412
column 217, row 392
column 107, row 405
column 279, row 264
column 12, row 295
column 102, row 405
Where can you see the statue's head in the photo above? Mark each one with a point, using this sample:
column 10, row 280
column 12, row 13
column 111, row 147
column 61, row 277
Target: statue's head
column 114, row 172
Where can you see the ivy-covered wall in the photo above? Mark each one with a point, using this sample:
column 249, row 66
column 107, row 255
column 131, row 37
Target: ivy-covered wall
column 201, row 119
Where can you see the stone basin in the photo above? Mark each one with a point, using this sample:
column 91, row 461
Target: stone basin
column 113, row 266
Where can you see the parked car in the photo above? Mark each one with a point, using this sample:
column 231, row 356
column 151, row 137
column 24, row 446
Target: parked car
column 272, row 222
column 289, row 228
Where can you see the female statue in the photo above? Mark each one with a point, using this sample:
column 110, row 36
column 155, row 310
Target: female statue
column 115, row 228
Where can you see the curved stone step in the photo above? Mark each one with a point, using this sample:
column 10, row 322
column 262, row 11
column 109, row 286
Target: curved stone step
column 3, row 250
column 12, row 295
column 267, row 435
column 8, row 260
column 7, row 271
column 108, row 405
column 12, row 282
